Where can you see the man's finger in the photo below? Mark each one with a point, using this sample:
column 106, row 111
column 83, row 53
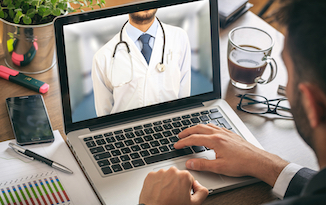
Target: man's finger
column 194, row 140
column 200, row 164
column 200, row 193
column 198, row 129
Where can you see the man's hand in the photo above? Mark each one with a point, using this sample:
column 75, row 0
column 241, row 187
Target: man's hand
column 171, row 187
column 234, row 155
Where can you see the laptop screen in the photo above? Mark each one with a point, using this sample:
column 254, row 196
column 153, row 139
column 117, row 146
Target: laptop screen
column 107, row 71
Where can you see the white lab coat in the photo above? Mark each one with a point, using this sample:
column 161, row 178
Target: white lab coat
column 148, row 86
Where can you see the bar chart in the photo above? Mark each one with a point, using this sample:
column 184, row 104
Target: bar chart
column 45, row 190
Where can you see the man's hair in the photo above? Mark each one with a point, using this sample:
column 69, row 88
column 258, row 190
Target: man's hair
column 305, row 21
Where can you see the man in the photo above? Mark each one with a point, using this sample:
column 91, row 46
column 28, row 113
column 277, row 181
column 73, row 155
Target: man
column 304, row 56
column 133, row 80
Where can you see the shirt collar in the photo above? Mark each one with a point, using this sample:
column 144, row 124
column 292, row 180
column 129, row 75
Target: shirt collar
column 134, row 33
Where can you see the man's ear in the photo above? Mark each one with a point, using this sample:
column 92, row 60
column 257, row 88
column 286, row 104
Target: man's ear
column 314, row 102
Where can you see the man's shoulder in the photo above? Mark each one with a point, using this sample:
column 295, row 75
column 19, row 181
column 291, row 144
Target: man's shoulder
column 107, row 48
column 302, row 200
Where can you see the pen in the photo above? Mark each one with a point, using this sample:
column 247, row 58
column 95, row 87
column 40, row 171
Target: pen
column 32, row 155
column 23, row 80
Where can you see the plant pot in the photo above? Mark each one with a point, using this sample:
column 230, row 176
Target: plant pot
column 29, row 49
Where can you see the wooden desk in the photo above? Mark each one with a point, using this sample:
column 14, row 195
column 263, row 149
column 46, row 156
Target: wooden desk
column 276, row 135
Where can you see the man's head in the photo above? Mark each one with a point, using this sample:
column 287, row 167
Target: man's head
column 143, row 17
column 304, row 55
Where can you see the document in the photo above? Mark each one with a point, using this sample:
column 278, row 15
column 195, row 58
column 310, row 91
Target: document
column 23, row 181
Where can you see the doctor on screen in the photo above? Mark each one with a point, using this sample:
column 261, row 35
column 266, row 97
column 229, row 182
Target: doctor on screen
column 148, row 62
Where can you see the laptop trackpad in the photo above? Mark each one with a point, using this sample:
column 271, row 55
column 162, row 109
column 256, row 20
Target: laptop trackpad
column 207, row 179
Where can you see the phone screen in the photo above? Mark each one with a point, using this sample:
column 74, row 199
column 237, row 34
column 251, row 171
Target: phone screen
column 29, row 119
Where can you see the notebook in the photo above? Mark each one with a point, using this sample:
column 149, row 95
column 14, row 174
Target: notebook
column 122, row 115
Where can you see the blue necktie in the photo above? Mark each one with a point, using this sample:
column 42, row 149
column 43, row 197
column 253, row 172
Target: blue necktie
column 147, row 50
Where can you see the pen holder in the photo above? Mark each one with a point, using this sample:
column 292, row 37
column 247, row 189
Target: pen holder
column 28, row 49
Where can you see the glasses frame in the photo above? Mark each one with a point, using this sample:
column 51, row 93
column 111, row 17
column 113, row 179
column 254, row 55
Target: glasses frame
column 269, row 110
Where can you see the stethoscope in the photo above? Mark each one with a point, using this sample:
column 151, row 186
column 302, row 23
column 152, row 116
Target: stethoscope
column 160, row 66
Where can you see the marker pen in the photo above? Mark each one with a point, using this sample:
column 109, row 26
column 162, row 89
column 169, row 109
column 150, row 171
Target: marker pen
column 23, row 80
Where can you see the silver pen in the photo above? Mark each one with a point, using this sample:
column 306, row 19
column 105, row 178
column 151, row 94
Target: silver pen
column 32, row 155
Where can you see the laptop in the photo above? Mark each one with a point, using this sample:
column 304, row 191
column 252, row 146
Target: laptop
column 117, row 150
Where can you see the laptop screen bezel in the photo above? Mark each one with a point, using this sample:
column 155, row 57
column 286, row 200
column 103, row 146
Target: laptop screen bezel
column 143, row 112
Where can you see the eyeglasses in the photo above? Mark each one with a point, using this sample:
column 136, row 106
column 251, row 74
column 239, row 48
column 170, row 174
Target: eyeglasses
column 257, row 104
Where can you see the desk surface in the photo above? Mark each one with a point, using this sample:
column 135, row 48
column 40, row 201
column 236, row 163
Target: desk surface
column 276, row 135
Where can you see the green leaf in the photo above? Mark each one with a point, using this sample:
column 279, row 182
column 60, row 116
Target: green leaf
column 27, row 20
column 2, row 14
column 11, row 13
column 18, row 16
column 56, row 12
column 53, row 1
column 11, row 6
column 31, row 13
column 46, row 13
column 70, row 10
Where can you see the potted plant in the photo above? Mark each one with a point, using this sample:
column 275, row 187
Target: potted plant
column 28, row 36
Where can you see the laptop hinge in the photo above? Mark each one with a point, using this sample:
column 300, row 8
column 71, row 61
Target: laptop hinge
column 146, row 116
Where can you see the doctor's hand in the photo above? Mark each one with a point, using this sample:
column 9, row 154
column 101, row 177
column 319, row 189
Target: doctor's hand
column 234, row 156
column 171, row 187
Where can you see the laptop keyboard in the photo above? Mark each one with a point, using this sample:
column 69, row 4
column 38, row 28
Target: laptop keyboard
column 147, row 144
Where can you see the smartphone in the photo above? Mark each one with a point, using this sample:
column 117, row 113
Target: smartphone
column 29, row 119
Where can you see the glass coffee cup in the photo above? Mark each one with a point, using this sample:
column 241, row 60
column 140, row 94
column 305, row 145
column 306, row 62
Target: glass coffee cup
column 249, row 53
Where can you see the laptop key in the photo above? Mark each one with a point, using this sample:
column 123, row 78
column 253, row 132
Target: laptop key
column 108, row 134
column 139, row 133
column 167, row 121
column 125, row 158
column 119, row 145
column 167, row 126
column 115, row 160
column 96, row 150
column 126, row 165
column 139, row 140
column 104, row 155
column 168, row 155
column 126, row 150
column 204, row 118
column 103, row 163
column 164, row 141
column 154, row 151
column 138, row 163
column 158, row 135
column 225, row 123
column 195, row 114
column 145, row 146
column 176, row 118
column 134, row 155
column 98, row 136
column 144, row 153
column 110, row 139
column 109, row 147
column 148, row 125
column 174, row 139
column 118, row 132
column 115, row 153
column 213, row 110
column 120, row 137
column 90, row 144
column 155, row 143
column 215, row 115
column 148, row 138
column 100, row 142
column 135, row 148
column 186, row 122
column 176, row 131
column 204, row 112
column 157, row 123
column 167, row 134
column 138, row 127
column 88, row 139
column 198, row 149
column 195, row 120
column 116, row 168
column 128, row 130
column 158, row 129
column 106, row 170
column 129, row 142
column 149, row 131
column 130, row 135
column 186, row 117
column 164, row 149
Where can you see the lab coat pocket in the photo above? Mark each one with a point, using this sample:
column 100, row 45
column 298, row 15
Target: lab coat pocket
column 172, row 78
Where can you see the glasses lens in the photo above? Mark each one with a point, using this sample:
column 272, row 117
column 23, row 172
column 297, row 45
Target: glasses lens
column 254, row 104
column 283, row 108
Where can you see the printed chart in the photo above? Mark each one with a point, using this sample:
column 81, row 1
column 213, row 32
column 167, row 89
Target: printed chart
column 44, row 190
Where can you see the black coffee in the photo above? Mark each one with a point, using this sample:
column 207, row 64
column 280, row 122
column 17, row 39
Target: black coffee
column 245, row 67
